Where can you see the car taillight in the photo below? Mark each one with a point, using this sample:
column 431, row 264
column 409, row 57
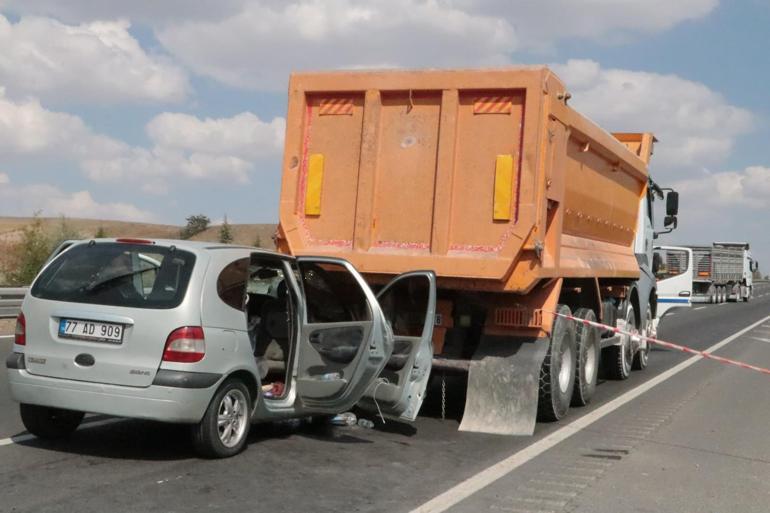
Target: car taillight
column 20, row 337
column 185, row 345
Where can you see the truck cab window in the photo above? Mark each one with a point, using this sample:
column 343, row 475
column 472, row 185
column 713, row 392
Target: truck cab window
column 668, row 263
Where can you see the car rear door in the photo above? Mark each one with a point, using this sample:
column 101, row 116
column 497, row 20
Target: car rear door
column 408, row 304
column 343, row 344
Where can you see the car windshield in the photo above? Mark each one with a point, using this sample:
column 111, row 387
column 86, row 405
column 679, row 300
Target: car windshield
column 118, row 274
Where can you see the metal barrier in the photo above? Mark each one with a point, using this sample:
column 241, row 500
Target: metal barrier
column 10, row 301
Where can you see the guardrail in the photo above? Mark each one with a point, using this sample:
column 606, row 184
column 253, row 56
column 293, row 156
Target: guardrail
column 10, row 301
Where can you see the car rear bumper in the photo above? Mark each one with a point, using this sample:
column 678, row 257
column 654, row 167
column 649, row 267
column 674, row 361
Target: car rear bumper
column 161, row 403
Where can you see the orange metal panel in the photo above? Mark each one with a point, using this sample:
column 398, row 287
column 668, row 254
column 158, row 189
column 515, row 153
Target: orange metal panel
column 409, row 177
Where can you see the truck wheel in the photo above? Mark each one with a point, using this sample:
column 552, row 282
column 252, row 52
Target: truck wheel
column 642, row 356
column 557, row 374
column 748, row 294
column 713, row 296
column 588, row 353
column 617, row 359
column 225, row 426
column 49, row 423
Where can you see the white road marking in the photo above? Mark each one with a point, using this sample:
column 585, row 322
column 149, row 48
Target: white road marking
column 504, row 467
column 85, row 425
column 699, row 308
column 761, row 339
column 721, row 304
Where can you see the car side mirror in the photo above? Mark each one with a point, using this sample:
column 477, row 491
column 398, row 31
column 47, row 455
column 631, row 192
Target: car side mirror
column 672, row 204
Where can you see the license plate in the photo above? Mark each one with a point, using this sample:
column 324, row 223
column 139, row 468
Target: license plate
column 91, row 330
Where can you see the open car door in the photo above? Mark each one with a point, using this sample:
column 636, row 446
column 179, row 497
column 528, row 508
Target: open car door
column 408, row 304
column 343, row 343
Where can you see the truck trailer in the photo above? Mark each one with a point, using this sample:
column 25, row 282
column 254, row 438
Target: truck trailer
column 723, row 272
column 522, row 207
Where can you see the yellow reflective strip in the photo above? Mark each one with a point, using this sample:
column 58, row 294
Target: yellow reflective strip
column 315, row 175
column 503, row 187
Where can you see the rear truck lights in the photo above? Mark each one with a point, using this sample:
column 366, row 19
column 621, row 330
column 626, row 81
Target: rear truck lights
column 20, row 336
column 185, row 345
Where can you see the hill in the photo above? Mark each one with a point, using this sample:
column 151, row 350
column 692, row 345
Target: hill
column 247, row 234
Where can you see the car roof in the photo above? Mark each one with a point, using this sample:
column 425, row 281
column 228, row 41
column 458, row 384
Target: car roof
column 194, row 246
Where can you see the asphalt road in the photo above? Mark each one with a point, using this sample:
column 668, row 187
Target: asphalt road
column 694, row 442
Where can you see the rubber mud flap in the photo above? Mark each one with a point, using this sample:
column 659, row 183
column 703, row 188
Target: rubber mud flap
column 503, row 383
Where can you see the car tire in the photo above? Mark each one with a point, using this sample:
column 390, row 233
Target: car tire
column 588, row 358
column 617, row 360
column 224, row 429
column 49, row 423
column 557, row 373
column 642, row 356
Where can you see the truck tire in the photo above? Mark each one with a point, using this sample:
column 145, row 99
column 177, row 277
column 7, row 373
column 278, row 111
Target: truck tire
column 617, row 360
column 587, row 361
column 642, row 356
column 49, row 423
column 748, row 294
column 557, row 374
column 713, row 295
column 232, row 405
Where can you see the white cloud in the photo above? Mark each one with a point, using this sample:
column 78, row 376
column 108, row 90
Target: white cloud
column 145, row 11
column 99, row 61
column 27, row 128
column 747, row 188
column 696, row 126
column 255, row 43
column 244, row 135
column 541, row 23
column 53, row 201
column 224, row 149
column 257, row 47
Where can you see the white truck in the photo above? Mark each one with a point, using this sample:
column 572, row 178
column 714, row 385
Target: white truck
column 721, row 272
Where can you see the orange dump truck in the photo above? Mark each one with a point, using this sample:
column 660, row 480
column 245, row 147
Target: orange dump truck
column 522, row 207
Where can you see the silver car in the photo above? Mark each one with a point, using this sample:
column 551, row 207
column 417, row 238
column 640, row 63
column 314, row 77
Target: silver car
column 216, row 336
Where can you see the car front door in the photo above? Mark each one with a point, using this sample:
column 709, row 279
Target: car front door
column 343, row 344
column 408, row 304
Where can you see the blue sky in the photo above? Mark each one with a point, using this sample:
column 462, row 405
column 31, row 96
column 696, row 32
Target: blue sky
column 156, row 110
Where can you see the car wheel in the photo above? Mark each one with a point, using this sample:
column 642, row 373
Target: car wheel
column 588, row 354
column 225, row 426
column 642, row 356
column 557, row 374
column 617, row 360
column 49, row 423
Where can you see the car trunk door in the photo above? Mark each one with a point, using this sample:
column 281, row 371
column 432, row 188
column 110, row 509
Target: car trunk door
column 132, row 362
column 134, row 307
column 408, row 304
column 343, row 344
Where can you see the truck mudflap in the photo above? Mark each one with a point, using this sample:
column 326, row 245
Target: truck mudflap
column 503, row 384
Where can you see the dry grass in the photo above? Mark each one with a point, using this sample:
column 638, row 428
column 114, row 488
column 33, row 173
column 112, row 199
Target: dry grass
column 11, row 230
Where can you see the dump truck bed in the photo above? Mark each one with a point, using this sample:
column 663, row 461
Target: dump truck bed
column 487, row 177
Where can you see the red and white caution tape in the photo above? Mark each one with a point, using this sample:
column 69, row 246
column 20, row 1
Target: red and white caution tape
column 663, row 343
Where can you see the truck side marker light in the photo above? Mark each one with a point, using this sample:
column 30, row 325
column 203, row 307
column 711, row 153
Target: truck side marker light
column 636, row 336
column 315, row 175
column 504, row 188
